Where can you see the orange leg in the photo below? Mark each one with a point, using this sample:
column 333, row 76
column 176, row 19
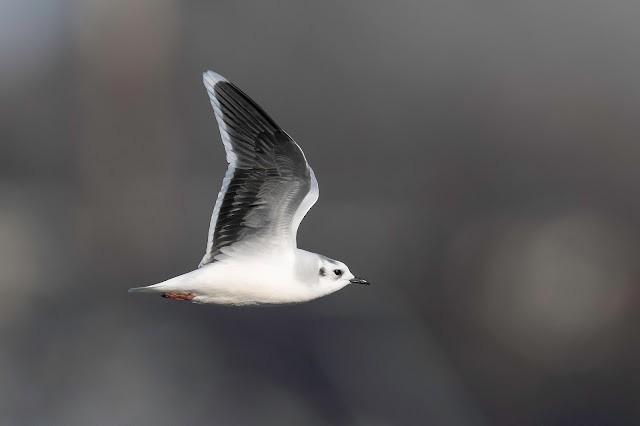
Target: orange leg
column 178, row 296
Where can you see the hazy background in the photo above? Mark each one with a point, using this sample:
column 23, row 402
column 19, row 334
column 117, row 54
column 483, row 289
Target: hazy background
column 479, row 162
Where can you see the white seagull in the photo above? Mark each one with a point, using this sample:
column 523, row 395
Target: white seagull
column 252, row 256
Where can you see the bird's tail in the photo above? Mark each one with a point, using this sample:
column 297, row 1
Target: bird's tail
column 173, row 284
column 147, row 289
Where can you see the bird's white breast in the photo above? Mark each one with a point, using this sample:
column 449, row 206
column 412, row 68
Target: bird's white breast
column 253, row 281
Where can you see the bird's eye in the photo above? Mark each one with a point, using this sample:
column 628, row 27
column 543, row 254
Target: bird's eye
column 338, row 272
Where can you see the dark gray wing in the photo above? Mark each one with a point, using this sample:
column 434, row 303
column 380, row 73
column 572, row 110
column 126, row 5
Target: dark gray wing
column 268, row 187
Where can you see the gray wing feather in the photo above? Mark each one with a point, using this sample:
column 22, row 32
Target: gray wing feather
column 268, row 187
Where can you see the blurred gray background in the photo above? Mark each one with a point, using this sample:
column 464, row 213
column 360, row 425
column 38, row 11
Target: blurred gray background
column 479, row 162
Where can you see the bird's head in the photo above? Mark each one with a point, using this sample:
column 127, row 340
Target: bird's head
column 335, row 274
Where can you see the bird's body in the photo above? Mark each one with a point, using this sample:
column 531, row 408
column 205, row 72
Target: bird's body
column 252, row 256
column 280, row 279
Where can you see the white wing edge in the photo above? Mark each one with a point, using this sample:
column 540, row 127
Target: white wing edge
column 210, row 79
column 308, row 201
column 216, row 210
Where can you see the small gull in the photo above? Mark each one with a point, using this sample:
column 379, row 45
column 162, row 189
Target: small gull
column 252, row 256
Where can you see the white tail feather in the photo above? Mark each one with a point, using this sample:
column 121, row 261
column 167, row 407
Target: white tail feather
column 173, row 284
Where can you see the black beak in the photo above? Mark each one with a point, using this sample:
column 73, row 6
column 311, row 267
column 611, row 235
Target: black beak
column 359, row 281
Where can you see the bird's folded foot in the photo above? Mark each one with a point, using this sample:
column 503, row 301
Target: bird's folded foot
column 178, row 296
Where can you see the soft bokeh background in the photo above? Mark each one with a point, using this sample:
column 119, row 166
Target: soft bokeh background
column 479, row 162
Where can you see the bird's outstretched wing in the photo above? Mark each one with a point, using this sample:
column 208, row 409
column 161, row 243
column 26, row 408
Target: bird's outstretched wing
column 269, row 186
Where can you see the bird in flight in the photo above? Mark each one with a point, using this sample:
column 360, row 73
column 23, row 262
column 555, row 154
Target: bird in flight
column 252, row 256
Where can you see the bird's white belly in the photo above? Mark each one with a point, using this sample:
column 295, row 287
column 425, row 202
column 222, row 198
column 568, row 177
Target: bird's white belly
column 248, row 283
